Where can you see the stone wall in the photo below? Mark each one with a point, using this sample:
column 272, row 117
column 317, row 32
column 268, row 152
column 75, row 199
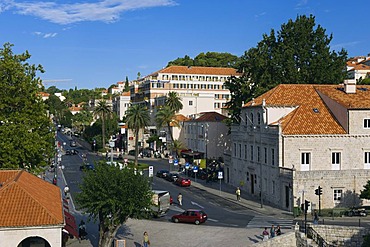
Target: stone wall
column 340, row 235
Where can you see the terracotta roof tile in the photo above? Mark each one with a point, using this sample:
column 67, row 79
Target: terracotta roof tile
column 210, row 117
column 311, row 116
column 27, row 200
column 359, row 67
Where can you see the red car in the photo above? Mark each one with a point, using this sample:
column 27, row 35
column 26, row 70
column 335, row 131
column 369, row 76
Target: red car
column 183, row 182
column 191, row 216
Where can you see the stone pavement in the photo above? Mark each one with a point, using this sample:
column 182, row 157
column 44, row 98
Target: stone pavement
column 169, row 234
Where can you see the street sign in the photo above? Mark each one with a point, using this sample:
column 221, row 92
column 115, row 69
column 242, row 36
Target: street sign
column 220, row 175
column 195, row 168
column 170, row 161
column 175, row 162
column 151, row 171
column 187, row 165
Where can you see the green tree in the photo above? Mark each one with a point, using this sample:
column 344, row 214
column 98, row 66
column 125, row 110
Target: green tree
column 177, row 146
column 26, row 133
column 365, row 194
column 166, row 117
column 298, row 54
column 209, row 59
column 173, row 101
column 137, row 117
column 110, row 196
column 127, row 85
column 103, row 110
column 82, row 119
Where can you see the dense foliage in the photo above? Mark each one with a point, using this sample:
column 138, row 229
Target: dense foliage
column 209, row 59
column 297, row 54
column 110, row 196
column 26, row 132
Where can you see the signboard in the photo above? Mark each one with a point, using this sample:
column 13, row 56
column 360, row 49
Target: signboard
column 175, row 162
column 220, row 175
column 195, row 168
column 120, row 243
column 151, row 171
column 170, row 161
column 187, row 165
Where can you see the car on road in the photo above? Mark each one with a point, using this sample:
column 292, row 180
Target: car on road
column 87, row 167
column 71, row 152
column 356, row 212
column 190, row 216
column 183, row 182
column 162, row 173
column 73, row 144
column 172, row 176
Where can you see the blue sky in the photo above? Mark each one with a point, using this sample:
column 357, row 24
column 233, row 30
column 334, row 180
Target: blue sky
column 91, row 43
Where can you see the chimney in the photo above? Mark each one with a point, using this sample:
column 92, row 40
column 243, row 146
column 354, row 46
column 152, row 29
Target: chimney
column 350, row 86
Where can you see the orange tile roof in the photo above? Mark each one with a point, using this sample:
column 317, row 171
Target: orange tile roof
column 210, row 117
column 125, row 94
column 198, row 70
column 359, row 67
column 303, row 120
column 27, row 200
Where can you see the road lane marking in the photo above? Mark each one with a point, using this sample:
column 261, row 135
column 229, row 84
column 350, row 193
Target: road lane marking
column 196, row 204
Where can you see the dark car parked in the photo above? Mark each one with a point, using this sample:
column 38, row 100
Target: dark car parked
column 71, row 152
column 162, row 173
column 172, row 177
column 86, row 167
column 191, row 216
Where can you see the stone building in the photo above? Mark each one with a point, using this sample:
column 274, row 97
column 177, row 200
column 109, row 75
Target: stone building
column 295, row 138
column 31, row 212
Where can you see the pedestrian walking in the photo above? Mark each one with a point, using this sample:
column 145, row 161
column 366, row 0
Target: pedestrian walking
column 278, row 230
column 66, row 190
column 272, row 231
column 237, row 192
column 315, row 218
column 146, row 242
column 265, row 235
column 82, row 230
column 179, row 199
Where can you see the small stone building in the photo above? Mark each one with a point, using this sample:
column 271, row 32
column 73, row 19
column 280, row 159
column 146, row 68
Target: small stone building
column 31, row 211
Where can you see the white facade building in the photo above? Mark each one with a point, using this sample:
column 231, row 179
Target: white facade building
column 295, row 138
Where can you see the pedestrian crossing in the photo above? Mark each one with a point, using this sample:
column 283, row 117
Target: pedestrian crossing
column 267, row 221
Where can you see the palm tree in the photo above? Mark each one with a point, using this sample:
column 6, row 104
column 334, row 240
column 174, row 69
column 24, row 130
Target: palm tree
column 166, row 117
column 174, row 101
column 137, row 117
column 103, row 110
column 177, row 146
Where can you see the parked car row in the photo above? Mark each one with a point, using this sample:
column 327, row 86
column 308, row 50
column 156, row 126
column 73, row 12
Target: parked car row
column 174, row 177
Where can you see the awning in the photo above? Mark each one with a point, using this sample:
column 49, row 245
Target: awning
column 70, row 225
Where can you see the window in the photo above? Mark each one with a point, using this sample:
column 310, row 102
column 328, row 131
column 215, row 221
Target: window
column 252, row 118
column 245, row 151
column 216, row 105
column 240, row 150
column 234, row 149
column 305, row 161
column 252, row 152
column 338, row 195
column 367, row 160
column 259, row 118
column 265, row 155
column 273, row 187
column 335, row 160
column 367, row 123
column 258, row 154
column 272, row 156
